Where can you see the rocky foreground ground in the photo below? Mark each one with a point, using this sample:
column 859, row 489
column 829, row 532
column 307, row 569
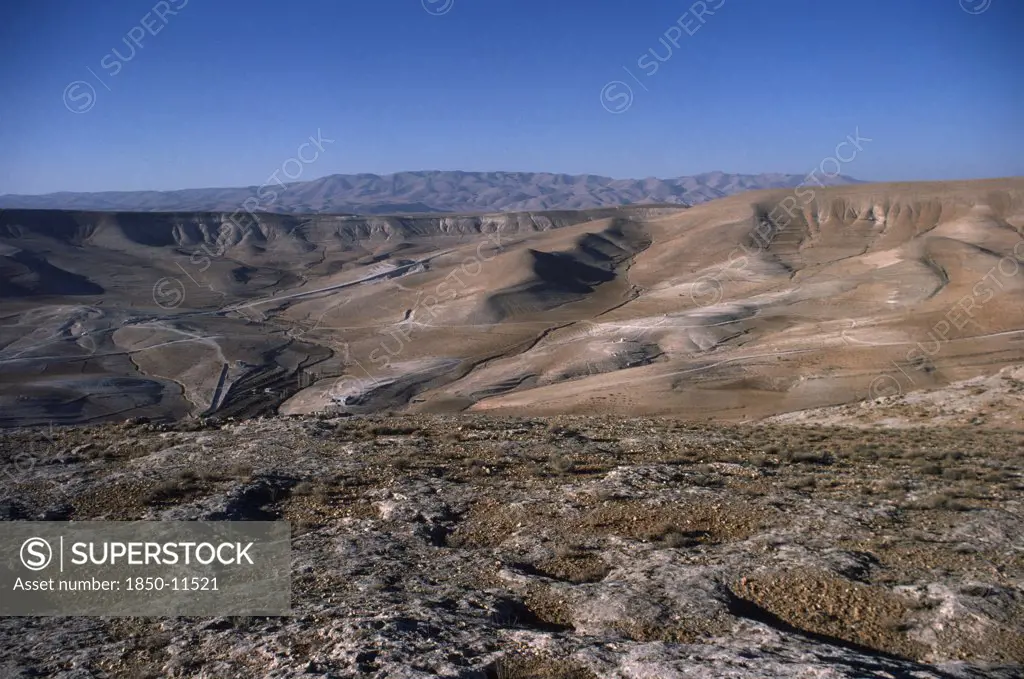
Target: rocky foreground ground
column 556, row 548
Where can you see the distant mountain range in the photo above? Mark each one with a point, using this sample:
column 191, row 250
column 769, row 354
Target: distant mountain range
column 427, row 191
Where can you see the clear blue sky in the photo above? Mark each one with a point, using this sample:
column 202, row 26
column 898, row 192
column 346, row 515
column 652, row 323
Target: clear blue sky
column 227, row 89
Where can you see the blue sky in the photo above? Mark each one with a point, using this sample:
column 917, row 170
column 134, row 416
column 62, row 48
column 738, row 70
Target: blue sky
column 225, row 91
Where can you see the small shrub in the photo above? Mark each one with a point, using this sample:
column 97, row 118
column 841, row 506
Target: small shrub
column 352, row 432
column 708, row 481
column 956, row 474
column 241, row 471
column 302, row 489
column 569, row 550
column 392, row 430
column 810, row 457
column 169, row 490
column 561, row 463
column 944, row 501
column 603, row 494
column 801, row 483
column 678, row 540
column 187, row 475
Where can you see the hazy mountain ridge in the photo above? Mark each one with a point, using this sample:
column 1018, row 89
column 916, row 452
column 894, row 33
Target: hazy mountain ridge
column 427, row 191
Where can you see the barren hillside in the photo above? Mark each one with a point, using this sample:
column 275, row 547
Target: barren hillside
column 741, row 308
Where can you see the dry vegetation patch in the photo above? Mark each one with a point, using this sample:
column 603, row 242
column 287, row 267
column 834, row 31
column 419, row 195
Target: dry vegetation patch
column 822, row 603
column 525, row 667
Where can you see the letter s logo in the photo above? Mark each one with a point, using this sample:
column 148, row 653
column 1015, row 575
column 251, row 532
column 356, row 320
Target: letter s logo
column 36, row 554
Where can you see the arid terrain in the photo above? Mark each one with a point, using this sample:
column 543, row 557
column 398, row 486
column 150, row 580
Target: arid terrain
column 443, row 339
column 747, row 307
column 556, row 548
column 772, row 435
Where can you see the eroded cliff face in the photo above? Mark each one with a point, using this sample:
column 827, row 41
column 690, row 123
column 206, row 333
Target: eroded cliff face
column 229, row 229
